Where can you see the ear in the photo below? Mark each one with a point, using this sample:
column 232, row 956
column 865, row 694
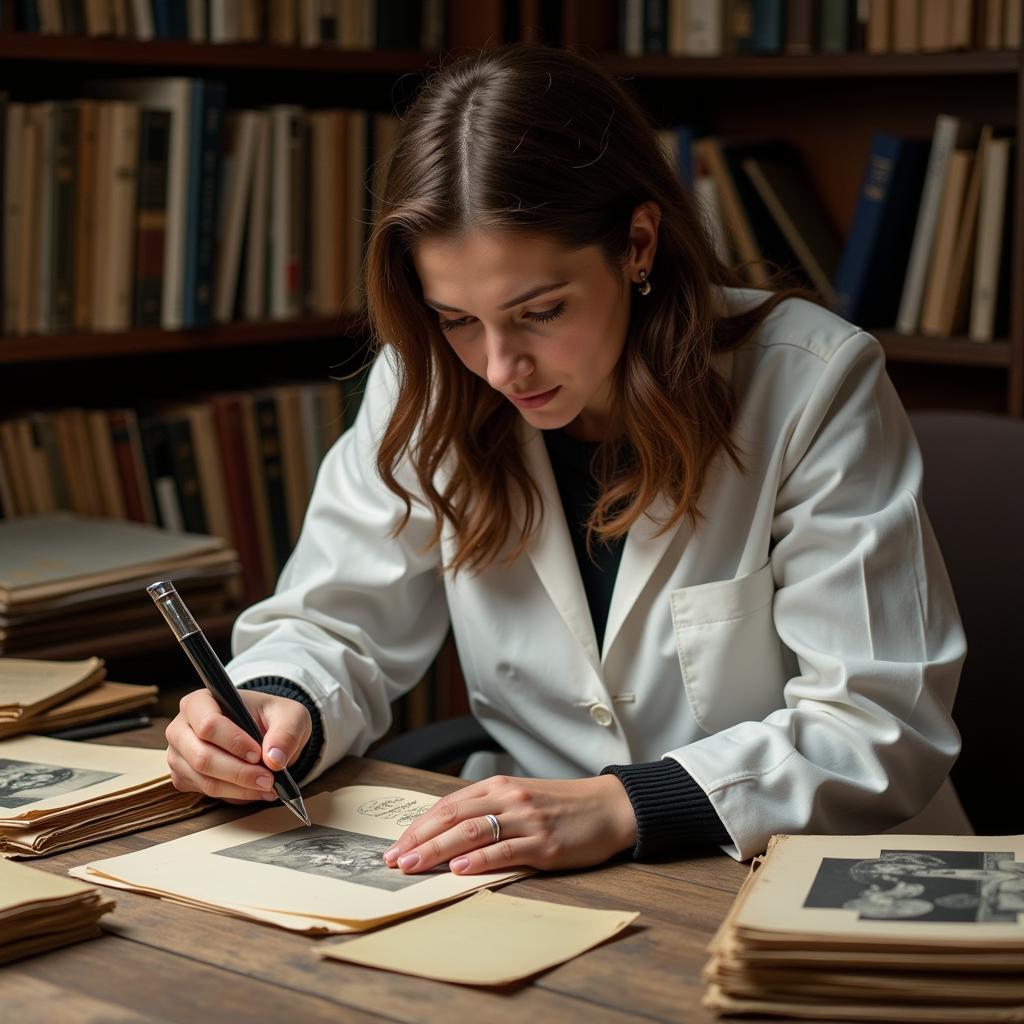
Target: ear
column 643, row 238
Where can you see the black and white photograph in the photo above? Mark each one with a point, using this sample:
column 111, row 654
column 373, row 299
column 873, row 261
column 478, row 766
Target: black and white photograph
column 26, row 782
column 935, row 886
column 332, row 852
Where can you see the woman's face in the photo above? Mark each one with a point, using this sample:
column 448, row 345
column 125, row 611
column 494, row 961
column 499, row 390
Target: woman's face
column 542, row 325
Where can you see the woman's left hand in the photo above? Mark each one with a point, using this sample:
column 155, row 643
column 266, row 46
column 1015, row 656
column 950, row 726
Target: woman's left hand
column 544, row 823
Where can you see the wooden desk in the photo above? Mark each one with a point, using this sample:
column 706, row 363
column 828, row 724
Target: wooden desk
column 162, row 962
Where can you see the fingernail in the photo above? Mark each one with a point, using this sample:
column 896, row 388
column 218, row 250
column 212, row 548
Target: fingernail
column 277, row 755
column 252, row 757
column 459, row 864
column 265, row 781
column 410, row 860
column 390, row 855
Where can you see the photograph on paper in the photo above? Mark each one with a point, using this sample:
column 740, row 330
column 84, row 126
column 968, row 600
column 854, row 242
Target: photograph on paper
column 925, row 891
column 923, row 885
column 28, row 782
column 331, row 852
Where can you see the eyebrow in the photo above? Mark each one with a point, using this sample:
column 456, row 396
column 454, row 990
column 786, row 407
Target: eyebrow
column 531, row 294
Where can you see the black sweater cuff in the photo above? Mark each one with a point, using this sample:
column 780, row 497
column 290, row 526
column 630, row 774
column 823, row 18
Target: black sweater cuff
column 672, row 811
column 278, row 686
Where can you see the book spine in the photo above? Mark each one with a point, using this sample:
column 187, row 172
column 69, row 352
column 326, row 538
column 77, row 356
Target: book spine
column 62, row 266
column 265, row 411
column 867, row 219
column 209, row 195
column 655, row 26
column 769, row 26
column 151, row 221
column 124, row 436
column 943, row 140
column 186, row 475
column 156, row 452
column 227, row 416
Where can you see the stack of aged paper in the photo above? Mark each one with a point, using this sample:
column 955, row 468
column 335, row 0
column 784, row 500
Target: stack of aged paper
column 44, row 696
column 67, row 580
column 40, row 911
column 55, row 794
column 329, row 877
column 911, row 928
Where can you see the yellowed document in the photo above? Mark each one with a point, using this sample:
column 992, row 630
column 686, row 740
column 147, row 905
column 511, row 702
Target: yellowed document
column 488, row 939
column 29, row 686
column 39, row 775
column 903, row 891
column 332, row 872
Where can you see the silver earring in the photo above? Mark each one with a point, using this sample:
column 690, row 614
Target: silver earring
column 645, row 285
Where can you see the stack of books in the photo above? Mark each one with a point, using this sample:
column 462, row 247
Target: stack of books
column 45, row 696
column 41, row 911
column 893, row 927
column 56, row 795
column 66, row 581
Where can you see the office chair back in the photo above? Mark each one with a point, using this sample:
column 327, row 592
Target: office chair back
column 974, row 497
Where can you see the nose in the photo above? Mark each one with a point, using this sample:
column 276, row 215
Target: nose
column 507, row 362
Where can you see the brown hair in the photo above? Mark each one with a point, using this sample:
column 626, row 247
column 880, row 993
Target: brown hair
column 540, row 141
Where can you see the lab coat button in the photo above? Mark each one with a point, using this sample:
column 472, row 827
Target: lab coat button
column 600, row 714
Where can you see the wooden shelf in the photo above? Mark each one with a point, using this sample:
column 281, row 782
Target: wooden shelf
column 817, row 65
column 163, row 53
column 903, row 348
column 151, row 340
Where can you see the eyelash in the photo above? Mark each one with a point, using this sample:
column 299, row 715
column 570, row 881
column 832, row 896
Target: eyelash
column 541, row 318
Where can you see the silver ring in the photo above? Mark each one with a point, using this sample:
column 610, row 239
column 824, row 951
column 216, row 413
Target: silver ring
column 495, row 827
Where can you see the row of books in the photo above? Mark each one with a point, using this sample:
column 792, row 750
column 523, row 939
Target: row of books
column 234, row 465
column 715, row 28
column 927, row 251
column 156, row 207
column 345, row 24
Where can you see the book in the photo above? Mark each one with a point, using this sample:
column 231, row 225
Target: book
column 869, row 277
column 151, row 218
column 952, row 312
column 993, row 230
column 790, row 197
column 951, row 209
column 950, row 133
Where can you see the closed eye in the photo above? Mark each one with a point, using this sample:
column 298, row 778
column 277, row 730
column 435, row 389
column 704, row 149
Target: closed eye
column 542, row 317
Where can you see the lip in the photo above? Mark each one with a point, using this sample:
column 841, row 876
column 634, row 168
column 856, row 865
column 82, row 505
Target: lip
column 536, row 400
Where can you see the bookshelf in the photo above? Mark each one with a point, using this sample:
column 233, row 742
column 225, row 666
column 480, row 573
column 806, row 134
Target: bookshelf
column 826, row 105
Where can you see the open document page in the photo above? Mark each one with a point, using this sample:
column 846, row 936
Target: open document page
column 331, row 874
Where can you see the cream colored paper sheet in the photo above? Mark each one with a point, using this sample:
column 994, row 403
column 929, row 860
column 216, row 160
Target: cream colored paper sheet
column 28, row 686
column 268, row 862
column 488, row 939
column 39, row 775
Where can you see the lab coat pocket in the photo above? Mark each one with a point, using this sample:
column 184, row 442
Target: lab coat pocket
column 732, row 661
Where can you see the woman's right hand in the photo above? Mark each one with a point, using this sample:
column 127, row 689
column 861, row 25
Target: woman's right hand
column 208, row 753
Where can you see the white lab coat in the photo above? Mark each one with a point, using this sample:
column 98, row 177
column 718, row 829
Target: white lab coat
column 797, row 654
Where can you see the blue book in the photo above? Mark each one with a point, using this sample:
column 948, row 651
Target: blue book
column 204, row 154
column 684, row 154
column 869, row 279
column 170, row 19
column 769, row 34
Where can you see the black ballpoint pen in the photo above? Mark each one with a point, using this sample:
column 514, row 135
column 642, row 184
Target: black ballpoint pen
column 211, row 671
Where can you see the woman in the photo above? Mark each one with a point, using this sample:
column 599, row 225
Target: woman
column 674, row 524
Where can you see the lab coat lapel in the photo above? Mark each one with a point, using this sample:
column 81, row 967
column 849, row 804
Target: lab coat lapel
column 643, row 550
column 645, row 547
column 550, row 548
